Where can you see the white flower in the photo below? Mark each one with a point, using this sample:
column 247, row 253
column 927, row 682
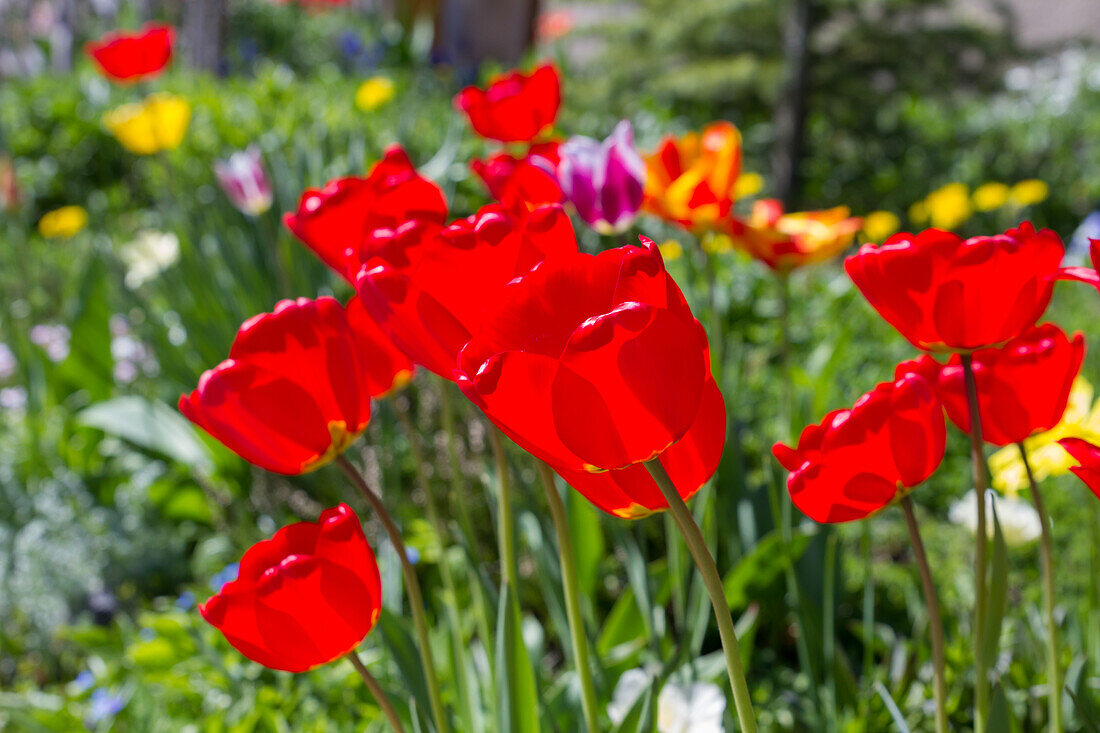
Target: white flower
column 1019, row 521
column 53, row 338
column 7, row 361
column 148, row 255
column 13, row 399
column 693, row 708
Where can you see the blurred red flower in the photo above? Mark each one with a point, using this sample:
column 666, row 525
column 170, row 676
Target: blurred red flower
column 1023, row 386
column 428, row 287
column 944, row 293
column 856, row 462
column 1088, row 455
column 522, row 184
column 296, row 388
column 515, row 107
column 1090, row 275
column 590, row 362
column 303, row 598
column 335, row 220
column 129, row 57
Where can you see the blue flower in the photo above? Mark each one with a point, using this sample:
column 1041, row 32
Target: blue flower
column 186, row 601
column 102, row 705
column 84, row 681
column 226, row 575
column 412, row 554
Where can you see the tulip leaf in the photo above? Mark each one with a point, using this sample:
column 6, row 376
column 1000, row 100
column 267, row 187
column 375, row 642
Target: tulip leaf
column 403, row 650
column 150, row 425
column 623, row 624
column 762, row 566
column 588, row 541
column 1000, row 716
column 517, row 698
column 89, row 365
column 998, row 593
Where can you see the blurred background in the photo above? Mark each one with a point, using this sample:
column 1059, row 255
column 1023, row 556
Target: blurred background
column 116, row 516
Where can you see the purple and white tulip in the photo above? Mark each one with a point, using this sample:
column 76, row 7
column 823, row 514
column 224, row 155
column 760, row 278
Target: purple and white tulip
column 244, row 180
column 605, row 181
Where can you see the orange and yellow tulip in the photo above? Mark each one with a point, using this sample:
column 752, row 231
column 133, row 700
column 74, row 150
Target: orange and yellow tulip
column 692, row 180
column 786, row 241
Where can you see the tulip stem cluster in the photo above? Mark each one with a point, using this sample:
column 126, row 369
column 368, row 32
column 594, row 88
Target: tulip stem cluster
column 1046, row 553
column 977, row 457
column 572, row 596
column 376, row 690
column 935, row 620
column 704, row 561
column 412, row 587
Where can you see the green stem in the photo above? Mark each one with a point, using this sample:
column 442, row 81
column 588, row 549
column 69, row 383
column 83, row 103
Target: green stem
column 506, row 528
column 377, row 691
column 693, row 536
column 977, row 458
column 1046, row 557
column 935, row 620
column 412, row 587
column 572, row 597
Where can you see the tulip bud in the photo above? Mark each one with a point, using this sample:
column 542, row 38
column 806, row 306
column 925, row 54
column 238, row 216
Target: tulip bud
column 244, row 179
column 605, row 181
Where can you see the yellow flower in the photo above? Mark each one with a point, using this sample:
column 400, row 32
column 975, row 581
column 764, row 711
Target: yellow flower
column 715, row 243
column 63, row 223
column 784, row 241
column 1047, row 458
column 918, row 213
column 748, row 184
column 989, row 196
column 670, row 250
column 157, row 123
column 878, row 225
column 1031, row 191
column 948, row 206
column 373, row 93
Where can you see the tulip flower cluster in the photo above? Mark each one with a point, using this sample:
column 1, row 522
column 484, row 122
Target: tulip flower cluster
column 1006, row 379
column 596, row 366
column 593, row 364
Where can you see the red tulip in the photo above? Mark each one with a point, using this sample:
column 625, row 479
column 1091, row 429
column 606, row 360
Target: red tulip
column 858, row 461
column 1023, row 387
column 335, row 220
column 296, row 388
column 944, row 293
column 630, row 493
column 428, row 288
column 1088, row 455
column 515, row 107
column 1090, row 275
column 130, row 57
column 522, row 184
column 590, row 362
column 303, row 598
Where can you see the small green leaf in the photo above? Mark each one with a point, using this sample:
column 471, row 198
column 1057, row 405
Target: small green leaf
column 998, row 593
column 762, row 566
column 150, row 425
column 517, row 698
column 588, row 542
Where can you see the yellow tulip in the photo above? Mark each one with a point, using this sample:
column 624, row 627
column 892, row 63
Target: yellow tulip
column 1047, row 458
column 948, row 206
column 63, row 223
column 748, row 184
column 990, row 196
column 373, row 93
column 1031, row 191
column 878, row 225
column 670, row 250
column 157, row 123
